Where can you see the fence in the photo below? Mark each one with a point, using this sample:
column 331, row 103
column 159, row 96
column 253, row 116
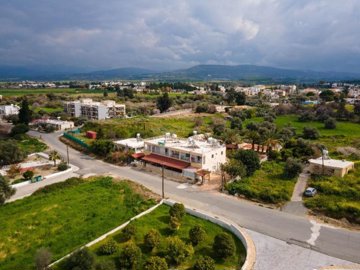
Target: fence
column 76, row 140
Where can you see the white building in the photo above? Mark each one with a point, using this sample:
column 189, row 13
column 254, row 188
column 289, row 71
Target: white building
column 196, row 152
column 6, row 110
column 94, row 110
column 330, row 166
column 57, row 124
column 134, row 144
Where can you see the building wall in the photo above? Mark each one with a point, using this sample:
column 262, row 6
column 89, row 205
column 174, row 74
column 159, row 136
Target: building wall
column 318, row 169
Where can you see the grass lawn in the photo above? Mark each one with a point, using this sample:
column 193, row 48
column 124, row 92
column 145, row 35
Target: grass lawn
column 48, row 110
column 159, row 219
column 267, row 184
column 65, row 216
column 149, row 127
column 31, row 145
column 337, row 197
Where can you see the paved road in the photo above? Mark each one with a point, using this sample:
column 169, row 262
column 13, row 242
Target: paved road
column 336, row 242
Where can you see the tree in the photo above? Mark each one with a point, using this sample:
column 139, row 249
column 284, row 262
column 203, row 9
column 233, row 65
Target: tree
column 177, row 251
column 10, row 152
column 102, row 147
column 292, row 168
column 19, row 129
column 164, row 102
column 236, row 123
column 6, row 191
column 330, row 123
column 130, row 256
column 129, row 231
column 105, row 94
column 196, row 235
column 327, row 95
column 177, row 210
column 54, row 156
column 110, row 247
column 156, row 263
column 204, row 263
column 28, row 175
column 152, row 239
column 234, row 168
column 42, row 259
column 174, row 223
column 253, row 136
column 81, row 259
column 100, row 134
column 224, row 245
column 310, row 133
column 250, row 159
column 240, row 98
column 357, row 108
column 25, row 112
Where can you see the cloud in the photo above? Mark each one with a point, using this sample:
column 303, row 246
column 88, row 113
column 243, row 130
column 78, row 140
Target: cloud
column 161, row 34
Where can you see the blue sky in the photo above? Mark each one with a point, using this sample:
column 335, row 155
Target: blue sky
column 163, row 34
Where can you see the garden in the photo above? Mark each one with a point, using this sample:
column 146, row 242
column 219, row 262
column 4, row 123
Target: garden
column 64, row 216
column 164, row 239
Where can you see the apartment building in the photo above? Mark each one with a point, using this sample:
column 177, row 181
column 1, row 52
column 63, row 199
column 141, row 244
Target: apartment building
column 192, row 154
column 94, row 110
column 6, row 110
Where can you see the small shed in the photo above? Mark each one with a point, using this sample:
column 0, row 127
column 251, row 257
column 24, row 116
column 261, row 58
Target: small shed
column 91, row 134
column 330, row 166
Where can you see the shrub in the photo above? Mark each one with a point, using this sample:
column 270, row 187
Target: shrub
column 152, row 239
column 174, row 223
column 81, row 260
column 204, row 263
column 62, row 166
column 102, row 147
column 105, row 265
column 110, row 247
column 128, row 232
column 155, row 263
column 273, row 155
column 224, row 245
column 10, row 152
column 28, row 175
column 234, row 168
column 177, row 251
column 130, row 256
column 6, row 191
column 330, row 123
column 292, row 168
column 19, row 129
column 197, row 234
column 310, row 133
column 178, row 211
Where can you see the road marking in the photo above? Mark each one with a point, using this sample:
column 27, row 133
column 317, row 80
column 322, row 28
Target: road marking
column 182, row 186
column 315, row 229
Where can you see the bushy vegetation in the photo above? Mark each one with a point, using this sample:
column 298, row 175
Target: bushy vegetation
column 267, row 184
column 337, row 197
column 196, row 235
column 224, row 246
column 204, row 263
column 65, row 216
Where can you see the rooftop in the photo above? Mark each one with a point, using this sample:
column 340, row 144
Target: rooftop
column 333, row 163
column 131, row 143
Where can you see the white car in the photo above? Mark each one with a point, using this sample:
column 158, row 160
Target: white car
column 310, row 192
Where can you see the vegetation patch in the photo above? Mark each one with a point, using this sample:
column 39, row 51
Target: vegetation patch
column 64, row 216
column 337, row 197
column 268, row 184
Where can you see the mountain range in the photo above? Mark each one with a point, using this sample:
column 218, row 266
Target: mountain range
column 250, row 73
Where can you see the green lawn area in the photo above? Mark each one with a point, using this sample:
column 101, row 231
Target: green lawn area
column 65, row 216
column 159, row 220
column 31, row 145
column 149, row 127
column 267, row 184
column 337, row 197
column 49, row 110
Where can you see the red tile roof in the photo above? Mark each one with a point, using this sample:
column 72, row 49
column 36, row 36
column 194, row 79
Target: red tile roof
column 166, row 161
column 138, row 155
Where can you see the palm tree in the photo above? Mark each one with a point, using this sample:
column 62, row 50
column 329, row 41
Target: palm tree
column 271, row 143
column 54, row 155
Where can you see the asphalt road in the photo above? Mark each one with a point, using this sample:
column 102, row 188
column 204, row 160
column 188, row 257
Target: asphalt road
column 336, row 242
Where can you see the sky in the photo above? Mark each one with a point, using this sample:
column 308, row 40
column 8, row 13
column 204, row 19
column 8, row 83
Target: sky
column 319, row 35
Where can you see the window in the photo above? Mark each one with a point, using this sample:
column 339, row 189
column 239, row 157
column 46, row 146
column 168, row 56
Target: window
column 166, row 151
column 212, row 156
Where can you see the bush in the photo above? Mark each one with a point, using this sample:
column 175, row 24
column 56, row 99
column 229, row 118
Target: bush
column 62, row 166
column 310, row 133
column 204, row 263
column 128, row 232
column 19, row 129
column 330, row 123
column 234, row 168
column 273, row 155
column 6, row 191
column 105, row 265
column 130, row 256
column 250, row 159
column 177, row 251
column 197, row 234
column 28, row 175
column 174, row 223
column 82, row 259
column 110, row 247
column 178, row 211
column 156, row 263
column 10, row 152
column 292, row 168
column 224, row 245
column 102, row 147
column 152, row 239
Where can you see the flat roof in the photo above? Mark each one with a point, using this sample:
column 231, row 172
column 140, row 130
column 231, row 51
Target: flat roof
column 166, row 161
column 131, row 143
column 333, row 163
column 193, row 144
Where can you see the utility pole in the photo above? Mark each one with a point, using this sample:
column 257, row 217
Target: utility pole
column 162, row 182
column 67, row 153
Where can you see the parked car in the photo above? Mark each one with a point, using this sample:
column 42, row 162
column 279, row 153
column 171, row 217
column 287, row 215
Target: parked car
column 310, row 192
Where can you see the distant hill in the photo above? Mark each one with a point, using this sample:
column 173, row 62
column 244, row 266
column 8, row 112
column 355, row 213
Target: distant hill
column 249, row 73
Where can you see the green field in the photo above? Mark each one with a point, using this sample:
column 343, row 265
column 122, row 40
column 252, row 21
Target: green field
column 31, row 145
column 159, row 220
column 63, row 217
column 337, row 197
column 267, row 184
